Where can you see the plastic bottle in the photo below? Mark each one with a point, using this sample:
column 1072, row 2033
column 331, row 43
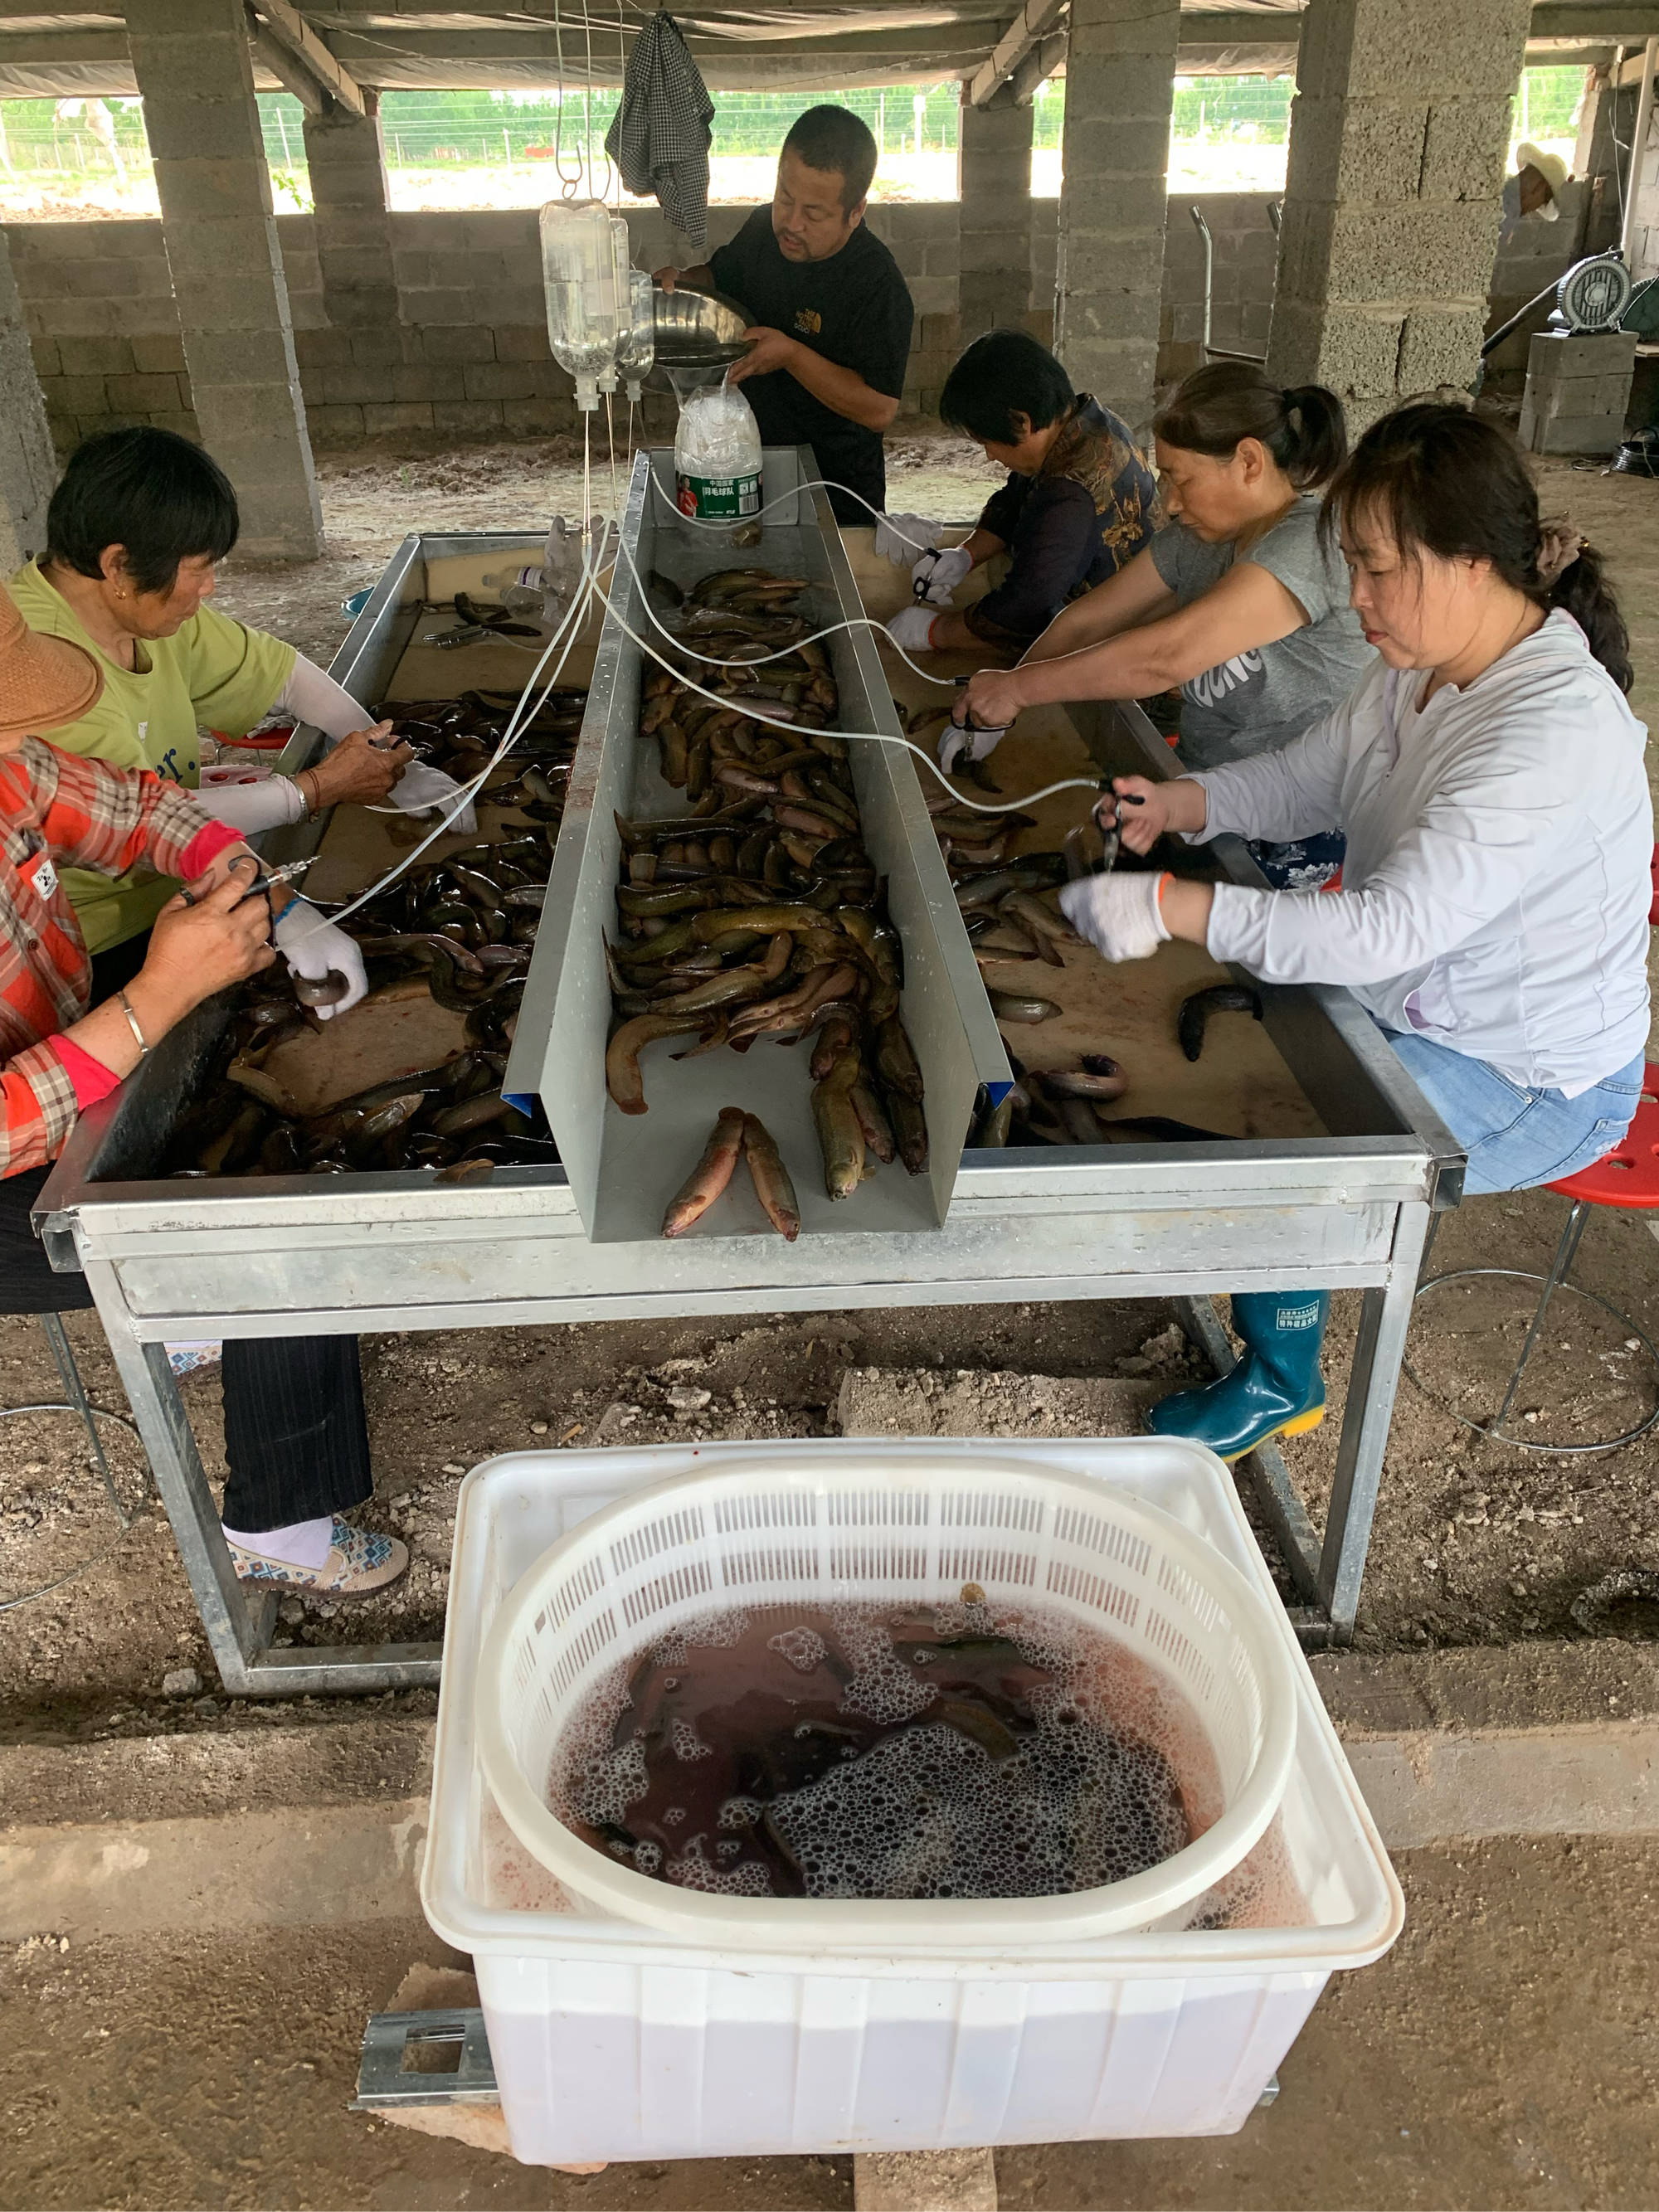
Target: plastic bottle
column 579, row 274
column 717, row 456
column 622, row 251
column 518, row 590
column 638, row 350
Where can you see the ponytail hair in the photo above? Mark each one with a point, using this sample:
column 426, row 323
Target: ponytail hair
column 1217, row 406
column 1442, row 479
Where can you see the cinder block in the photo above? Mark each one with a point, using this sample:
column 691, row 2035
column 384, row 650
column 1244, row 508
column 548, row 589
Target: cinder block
column 468, row 418
column 320, row 349
column 181, row 421
column 538, row 418
column 333, row 426
column 428, row 381
column 383, row 420
column 98, row 356
column 158, row 353
column 74, row 395
column 135, row 395
column 458, row 341
column 501, row 380
column 1571, row 434
column 356, row 386
column 935, row 297
column 522, row 342
column 1551, row 359
column 1464, row 154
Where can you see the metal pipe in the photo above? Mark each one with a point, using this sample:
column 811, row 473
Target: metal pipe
column 1215, row 352
column 1638, row 140
column 1490, row 345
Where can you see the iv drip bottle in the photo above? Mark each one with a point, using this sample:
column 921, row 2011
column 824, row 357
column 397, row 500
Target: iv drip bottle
column 717, row 456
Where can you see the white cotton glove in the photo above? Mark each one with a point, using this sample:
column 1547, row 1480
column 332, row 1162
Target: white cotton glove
column 314, row 948
column 956, row 739
column 902, row 536
column 421, row 787
column 1120, row 915
column 936, row 575
column 912, row 629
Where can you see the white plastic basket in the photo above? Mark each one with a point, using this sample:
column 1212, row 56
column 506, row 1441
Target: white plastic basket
column 909, row 1531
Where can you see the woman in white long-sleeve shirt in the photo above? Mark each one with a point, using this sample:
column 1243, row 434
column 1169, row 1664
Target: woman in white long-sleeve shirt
column 1489, row 778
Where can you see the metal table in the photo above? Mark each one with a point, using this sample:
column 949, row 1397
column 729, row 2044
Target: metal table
column 302, row 1256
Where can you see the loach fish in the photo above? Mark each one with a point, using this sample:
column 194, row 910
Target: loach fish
column 771, row 1178
column 1012, row 1007
column 623, row 1079
column 1219, row 998
column 840, row 1137
column 710, row 1176
column 1098, row 1078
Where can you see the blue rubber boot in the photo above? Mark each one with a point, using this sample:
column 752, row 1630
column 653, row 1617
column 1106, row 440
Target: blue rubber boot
column 1275, row 1389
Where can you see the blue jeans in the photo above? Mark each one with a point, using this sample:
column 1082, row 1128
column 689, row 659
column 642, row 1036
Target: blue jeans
column 1515, row 1137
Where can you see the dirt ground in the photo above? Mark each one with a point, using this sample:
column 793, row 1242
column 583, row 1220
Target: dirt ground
column 1502, row 2055
column 1474, row 1543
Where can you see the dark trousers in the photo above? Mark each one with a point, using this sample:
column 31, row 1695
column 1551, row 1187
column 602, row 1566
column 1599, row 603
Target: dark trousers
column 296, row 1444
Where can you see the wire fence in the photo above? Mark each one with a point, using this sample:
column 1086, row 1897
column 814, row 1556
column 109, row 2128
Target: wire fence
column 486, row 148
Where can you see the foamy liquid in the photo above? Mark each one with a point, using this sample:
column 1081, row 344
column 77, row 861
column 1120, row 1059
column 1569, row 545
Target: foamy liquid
column 882, row 1751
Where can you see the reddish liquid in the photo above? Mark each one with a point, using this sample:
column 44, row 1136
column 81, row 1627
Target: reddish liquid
column 883, row 1752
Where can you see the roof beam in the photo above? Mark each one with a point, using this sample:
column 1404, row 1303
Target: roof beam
column 1036, row 19
column 288, row 29
column 269, row 54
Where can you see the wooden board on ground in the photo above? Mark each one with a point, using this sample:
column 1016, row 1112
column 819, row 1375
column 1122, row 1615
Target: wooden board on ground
column 1241, row 1087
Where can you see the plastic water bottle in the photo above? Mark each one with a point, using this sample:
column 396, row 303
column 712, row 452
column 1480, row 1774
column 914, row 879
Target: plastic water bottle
column 717, row 458
column 518, row 590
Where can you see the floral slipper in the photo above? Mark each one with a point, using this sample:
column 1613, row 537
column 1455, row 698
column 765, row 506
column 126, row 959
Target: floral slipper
column 360, row 1562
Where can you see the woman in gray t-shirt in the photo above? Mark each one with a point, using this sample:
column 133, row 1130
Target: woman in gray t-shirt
column 1238, row 601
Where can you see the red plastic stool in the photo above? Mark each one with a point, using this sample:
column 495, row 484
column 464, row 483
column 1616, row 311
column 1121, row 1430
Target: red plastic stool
column 1628, row 1177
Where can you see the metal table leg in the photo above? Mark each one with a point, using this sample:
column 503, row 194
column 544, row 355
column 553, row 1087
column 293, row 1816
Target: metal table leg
column 239, row 1620
column 1385, row 1317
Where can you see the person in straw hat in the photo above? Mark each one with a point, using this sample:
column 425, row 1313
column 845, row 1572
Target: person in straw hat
column 295, row 1441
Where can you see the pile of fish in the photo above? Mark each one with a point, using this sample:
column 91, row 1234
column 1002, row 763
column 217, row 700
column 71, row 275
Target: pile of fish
column 758, row 912
column 461, row 930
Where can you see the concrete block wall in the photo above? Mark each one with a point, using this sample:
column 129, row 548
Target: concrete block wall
column 1536, row 254
column 469, row 358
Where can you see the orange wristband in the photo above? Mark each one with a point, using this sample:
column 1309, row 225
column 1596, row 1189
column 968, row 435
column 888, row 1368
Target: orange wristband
column 1166, row 879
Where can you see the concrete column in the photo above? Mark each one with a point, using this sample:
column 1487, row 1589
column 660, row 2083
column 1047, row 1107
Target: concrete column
column 190, row 59
column 1109, row 280
column 352, row 222
column 1399, row 135
column 995, row 283
column 27, row 468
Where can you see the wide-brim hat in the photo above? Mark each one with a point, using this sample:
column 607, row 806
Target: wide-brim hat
column 44, row 682
column 1550, row 166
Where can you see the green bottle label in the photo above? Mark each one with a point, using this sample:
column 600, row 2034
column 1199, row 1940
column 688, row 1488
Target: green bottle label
column 718, row 499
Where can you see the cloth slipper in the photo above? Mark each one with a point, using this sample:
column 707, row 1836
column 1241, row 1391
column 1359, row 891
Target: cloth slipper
column 360, row 1562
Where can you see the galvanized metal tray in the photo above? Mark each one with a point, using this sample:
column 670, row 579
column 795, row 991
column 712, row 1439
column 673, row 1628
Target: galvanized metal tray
column 624, row 1169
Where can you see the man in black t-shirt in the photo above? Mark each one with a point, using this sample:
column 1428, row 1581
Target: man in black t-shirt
column 831, row 335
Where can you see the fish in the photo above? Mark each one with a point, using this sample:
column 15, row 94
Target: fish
column 895, row 1060
column 771, row 1178
column 623, row 1079
column 1105, row 1079
column 909, row 1131
column 1013, row 1006
column 710, row 1176
column 1219, row 998
column 840, row 1137
column 872, row 1120
column 1160, row 1128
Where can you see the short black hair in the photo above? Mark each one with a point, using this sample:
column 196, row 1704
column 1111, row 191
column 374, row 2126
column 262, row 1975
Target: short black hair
column 835, row 138
column 1005, row 373
column 151, row 490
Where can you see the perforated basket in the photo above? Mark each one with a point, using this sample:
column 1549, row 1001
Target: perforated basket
column 907, row 1532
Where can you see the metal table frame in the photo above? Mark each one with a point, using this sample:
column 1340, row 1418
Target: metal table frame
column 302, row 1256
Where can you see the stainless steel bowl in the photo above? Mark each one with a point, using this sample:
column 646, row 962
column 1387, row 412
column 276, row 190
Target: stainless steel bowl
column 698, row 330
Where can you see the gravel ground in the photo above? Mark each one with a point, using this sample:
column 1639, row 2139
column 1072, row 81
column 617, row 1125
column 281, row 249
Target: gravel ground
column 1474, row 1543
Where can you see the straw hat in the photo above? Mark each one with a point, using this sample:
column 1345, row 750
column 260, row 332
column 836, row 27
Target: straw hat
column 1550, row 166
column 44, row 682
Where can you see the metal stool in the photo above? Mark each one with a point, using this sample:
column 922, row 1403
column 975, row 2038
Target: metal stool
column 1628, row 1177
column 75, row 1401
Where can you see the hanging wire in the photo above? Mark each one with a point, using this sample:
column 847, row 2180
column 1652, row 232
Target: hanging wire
column 569, row 187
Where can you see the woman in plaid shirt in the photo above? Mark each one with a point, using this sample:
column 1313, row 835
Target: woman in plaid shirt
column 296, row 1442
